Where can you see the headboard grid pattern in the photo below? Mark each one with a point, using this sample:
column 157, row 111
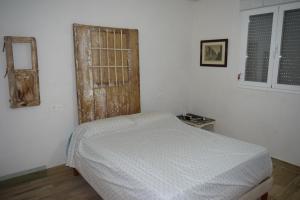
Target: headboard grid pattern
column 107, row 70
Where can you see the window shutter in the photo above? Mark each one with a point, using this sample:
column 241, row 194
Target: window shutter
column 258, row 47
column 289, row 65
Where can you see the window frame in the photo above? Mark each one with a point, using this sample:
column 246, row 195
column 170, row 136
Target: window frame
column 275, row 48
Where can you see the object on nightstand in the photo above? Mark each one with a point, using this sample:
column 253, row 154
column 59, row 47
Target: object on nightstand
column 198, row 121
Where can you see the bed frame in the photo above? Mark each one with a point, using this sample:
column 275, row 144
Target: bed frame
column 107, row 79
column 261, row 191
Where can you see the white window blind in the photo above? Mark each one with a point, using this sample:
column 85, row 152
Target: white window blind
column 271, row 47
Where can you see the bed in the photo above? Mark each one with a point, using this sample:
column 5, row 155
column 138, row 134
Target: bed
column 155, row 156
column 149, row 156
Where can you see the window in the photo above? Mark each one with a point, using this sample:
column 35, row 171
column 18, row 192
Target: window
column 271, row 47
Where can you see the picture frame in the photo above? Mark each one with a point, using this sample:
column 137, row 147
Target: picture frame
column 214, row 53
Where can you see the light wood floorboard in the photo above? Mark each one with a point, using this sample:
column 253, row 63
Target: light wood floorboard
column 60, row 184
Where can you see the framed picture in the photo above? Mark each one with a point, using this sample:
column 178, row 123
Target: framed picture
column 214, row 53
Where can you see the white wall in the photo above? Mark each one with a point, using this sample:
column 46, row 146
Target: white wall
column 36, row 136
column 271, row 119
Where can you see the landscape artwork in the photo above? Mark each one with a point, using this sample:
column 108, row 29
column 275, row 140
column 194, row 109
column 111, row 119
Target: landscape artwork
column 214, row 53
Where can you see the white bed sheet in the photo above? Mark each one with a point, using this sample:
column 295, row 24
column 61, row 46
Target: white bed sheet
column 157, row 157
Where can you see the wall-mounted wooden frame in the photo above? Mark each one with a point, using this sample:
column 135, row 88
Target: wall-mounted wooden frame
column 23, row 83
column 213, row 53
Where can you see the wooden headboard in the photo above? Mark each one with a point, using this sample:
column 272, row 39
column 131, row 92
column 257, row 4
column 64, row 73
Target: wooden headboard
column 107, row 71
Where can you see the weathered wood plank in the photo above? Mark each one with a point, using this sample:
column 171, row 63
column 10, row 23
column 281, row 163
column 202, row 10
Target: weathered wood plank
column 84, row 80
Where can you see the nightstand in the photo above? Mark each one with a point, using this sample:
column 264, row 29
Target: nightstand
column 198, row 121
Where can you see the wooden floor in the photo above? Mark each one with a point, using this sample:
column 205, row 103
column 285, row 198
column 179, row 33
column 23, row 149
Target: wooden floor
column 286, row 184
column 60, row 184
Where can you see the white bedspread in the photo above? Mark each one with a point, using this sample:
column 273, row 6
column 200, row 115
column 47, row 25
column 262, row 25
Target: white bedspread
column 157, row 157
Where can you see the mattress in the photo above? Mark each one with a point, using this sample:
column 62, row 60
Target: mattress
column 155, row 156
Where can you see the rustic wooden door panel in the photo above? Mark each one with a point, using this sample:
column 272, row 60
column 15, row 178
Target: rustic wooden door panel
column 107, row 70
column 23, row 83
